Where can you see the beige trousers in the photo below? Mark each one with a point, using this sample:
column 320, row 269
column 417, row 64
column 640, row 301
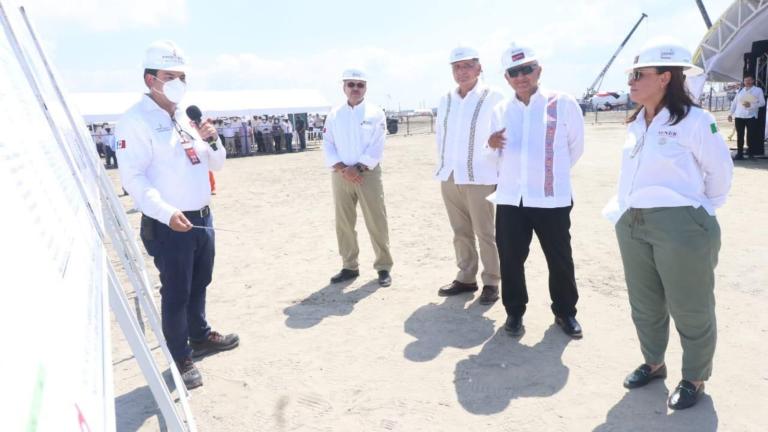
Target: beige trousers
column 370, row 194
column 472, row 215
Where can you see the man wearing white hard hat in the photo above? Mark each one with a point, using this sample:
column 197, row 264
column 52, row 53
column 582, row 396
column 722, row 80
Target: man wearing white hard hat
column 539, row 136
column 468, row 174
column 164, row 161
column 676, row 170
column 353, row 143
column 744, row 108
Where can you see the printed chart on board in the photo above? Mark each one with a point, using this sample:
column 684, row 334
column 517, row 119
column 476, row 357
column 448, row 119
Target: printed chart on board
column 53, row 256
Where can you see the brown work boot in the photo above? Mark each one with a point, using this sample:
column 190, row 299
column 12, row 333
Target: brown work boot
column 189, row 373
column 214, row 343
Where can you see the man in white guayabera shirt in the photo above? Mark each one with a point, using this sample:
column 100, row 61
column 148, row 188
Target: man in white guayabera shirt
column 539, row 136
column 744, row 108
column 468, row 174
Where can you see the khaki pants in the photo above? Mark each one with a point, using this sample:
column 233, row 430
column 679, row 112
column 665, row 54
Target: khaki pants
column 472, row 215
column 370, row 194
column 669, row 256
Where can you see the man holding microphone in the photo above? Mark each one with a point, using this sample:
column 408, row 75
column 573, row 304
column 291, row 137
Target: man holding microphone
column 164, row 160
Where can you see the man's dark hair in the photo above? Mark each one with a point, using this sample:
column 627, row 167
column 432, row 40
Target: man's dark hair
column 676, row 98
column 152, row 72
column 748, row 75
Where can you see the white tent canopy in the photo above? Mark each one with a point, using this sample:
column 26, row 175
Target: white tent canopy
column 106, row 107
column 721, row 52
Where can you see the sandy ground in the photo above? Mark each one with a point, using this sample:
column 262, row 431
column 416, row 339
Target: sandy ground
column 357, row 357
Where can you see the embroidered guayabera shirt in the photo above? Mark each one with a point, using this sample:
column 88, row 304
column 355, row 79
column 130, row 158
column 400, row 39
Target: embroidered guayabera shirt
column 544, row 139
column 462, row 128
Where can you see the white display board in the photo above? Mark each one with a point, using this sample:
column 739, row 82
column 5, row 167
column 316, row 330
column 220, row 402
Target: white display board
column 55, row 300
column 60, row 212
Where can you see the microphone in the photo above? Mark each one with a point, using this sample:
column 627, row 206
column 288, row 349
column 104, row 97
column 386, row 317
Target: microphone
column 194, row 114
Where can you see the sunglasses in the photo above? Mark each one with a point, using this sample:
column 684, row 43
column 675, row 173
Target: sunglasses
column 525, row 70
column 635, row 75
column 360, row 85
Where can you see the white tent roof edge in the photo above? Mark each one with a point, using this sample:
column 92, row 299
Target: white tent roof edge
column 108, row 107
column 722, row 47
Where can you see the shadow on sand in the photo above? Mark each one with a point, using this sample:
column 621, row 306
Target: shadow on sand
column 645, row 409
column 505, row 370
column 331, row 300
column 448, row 324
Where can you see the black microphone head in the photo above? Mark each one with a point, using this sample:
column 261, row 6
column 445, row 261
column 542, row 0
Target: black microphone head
column 194, row 113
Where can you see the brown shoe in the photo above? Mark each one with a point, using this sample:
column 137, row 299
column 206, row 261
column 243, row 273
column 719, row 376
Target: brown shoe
column 489, row 295
column 456, row 287
column 214, row 343
column 189, row 373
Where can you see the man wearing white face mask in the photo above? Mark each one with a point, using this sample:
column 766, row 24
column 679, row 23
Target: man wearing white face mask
column 164, row 161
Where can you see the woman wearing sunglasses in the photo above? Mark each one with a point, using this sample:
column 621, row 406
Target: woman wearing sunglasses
column 676, row 170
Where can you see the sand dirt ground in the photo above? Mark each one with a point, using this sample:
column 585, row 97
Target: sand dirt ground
column 357, row 357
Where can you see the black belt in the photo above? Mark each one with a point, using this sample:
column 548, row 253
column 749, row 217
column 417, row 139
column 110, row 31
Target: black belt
column 203, row 212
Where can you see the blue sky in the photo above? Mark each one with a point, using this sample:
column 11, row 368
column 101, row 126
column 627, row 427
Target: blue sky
column 97, row 45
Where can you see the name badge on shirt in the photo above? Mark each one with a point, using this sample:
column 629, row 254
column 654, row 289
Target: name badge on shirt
column 192, row 155
column 186, row 143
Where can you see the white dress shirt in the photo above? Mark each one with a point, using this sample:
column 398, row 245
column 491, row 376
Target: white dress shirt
column 463, row 127
column 754, row 96
column 664, row 165
column 154, row 167
column 354, row 135
column 109, row 141
column 532, row 168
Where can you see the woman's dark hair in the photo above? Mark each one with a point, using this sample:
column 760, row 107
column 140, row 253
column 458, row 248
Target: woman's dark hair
column 676, row 99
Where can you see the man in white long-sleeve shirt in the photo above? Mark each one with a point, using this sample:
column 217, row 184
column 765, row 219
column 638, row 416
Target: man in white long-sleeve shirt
column 353, row 143
column 164, row 162
column 468, row 174
column 539, row 136
column 744, row 108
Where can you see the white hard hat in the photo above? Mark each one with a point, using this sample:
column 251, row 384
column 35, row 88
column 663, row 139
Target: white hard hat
column 354, row 74
column 463, row 53
column 665, row 52
column 517, row 55
column 165, row 55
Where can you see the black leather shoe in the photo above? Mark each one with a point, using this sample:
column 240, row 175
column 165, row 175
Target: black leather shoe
column 489, row 295
column 189, row 373
column 385, row 279
column 685, row 395
column 514, row 325
column 642, row 376
column 345, row 274
column 214, row 343
column 456, row 287
column 570, row 326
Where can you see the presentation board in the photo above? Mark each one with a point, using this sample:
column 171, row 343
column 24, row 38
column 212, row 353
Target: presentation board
column 52, row 261
column 60, row 213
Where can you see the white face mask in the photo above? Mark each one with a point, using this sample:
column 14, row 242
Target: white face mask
column 174, row 90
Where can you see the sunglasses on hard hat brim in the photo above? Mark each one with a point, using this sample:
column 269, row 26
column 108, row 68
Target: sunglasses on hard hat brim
column 528, row 69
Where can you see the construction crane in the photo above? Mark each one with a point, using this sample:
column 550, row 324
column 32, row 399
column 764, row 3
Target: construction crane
column 592, row 90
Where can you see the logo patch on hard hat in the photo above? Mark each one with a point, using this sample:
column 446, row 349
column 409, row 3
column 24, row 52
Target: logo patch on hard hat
column 637, row 58
column 713, row 128
column 518, row 56
column 667, row 54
